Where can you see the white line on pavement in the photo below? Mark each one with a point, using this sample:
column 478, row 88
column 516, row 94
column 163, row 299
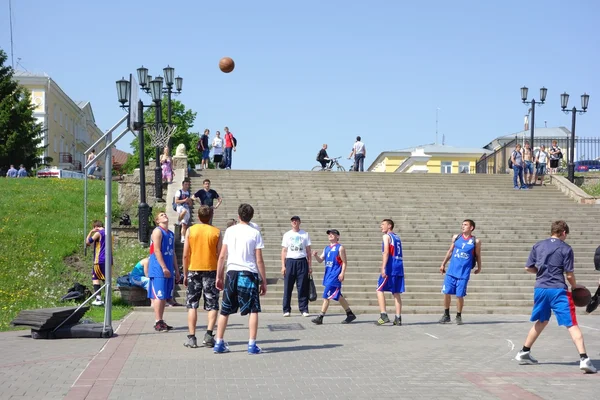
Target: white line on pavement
column 589, row 327
column 428, row 334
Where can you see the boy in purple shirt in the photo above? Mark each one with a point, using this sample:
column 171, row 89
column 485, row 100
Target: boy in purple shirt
column 97, row 238
column 551, row 259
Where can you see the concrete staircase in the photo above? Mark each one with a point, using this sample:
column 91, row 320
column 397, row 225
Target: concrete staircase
column 427, row 210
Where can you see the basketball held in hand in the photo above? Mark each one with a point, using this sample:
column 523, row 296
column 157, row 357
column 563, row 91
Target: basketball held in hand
column 226, row 64
column 581, row 296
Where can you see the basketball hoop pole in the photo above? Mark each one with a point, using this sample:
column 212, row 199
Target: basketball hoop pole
column 157, row 168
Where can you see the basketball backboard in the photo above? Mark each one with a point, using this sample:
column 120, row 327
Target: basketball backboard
column 134, row 93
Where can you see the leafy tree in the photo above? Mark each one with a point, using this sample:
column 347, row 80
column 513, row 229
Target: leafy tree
column 180, row 117
column 20, row 133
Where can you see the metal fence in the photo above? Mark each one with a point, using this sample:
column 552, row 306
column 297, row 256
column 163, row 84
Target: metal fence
column 497, row 162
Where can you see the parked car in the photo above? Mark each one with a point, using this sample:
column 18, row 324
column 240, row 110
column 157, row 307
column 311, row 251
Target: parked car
column 587, row 165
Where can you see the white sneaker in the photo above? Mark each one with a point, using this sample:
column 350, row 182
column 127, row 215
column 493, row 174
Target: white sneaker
column 524, row 357
column 587, row 366
column 305, row 314
column 286, row 314
column 97, row 302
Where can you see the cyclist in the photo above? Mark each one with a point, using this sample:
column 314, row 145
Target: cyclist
column 322, row 157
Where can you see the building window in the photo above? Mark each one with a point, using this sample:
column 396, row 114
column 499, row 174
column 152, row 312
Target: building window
column 55, row 114
column 464, row 167
column 55, row 146
column 60, row 116
column 446, row 167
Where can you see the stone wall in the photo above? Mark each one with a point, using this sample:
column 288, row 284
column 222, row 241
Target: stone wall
column 129, row 188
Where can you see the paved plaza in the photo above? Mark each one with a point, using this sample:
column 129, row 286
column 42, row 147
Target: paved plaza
column 418, row 360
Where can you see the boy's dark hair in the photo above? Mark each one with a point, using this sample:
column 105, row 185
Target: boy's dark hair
column 246, row 212
column 206, row 180
column 558, row 227
column 185, row 180
column 389, row 221
column 358, row 138
column 471, row 222
column 204, row 214
column 97, row 223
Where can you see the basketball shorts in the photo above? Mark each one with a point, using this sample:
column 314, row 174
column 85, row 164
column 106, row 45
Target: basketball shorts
column 332, row 292
column 186, row 218
column 455, row 286
column 160, row 288
column 559, row 301
column 199, row 283
column 391, row 283
column 139, row 281
column 241, row 292
column 98, row 272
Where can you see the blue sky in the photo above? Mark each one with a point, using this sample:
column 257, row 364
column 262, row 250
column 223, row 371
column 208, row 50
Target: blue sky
column 315, row 72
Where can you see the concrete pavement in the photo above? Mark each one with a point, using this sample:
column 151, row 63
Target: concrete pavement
column 420, row 359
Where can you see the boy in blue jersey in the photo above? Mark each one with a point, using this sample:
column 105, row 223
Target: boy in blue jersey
column 391, row 278
column 161, row 269
column 463, row 254
column 334, row 256
column 551, row 259
column 97, row 238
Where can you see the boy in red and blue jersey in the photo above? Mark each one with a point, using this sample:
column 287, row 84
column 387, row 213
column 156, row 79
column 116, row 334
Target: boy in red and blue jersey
column 334, row 256
column 463, row 254
column 391, row 278
column 551, row 260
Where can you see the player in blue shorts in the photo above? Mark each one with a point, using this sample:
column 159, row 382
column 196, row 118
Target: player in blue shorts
column 391, row 278
column 161, row 269
column 551, row 259
column 334, row 256
column 464, row 253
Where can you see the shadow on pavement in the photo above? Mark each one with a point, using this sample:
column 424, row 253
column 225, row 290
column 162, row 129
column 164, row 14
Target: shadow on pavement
column 300, row 348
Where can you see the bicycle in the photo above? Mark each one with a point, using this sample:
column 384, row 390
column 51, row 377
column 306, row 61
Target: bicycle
column 332, row 163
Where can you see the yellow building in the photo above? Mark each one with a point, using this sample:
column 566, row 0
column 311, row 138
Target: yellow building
column 69, row 126
column 429, row 158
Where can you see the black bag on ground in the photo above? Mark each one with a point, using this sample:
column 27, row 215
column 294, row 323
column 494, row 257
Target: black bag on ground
column 312, row 290
column 77, row 292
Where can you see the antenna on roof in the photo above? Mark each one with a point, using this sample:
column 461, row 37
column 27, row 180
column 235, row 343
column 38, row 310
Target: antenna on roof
column 12, row 57
column 436, row 125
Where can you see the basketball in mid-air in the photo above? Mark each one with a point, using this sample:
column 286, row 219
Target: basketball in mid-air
column 581, row 296
column 226, row 64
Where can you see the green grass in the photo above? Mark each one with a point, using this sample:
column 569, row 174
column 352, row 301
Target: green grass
column 41, row 223
column 592, row 190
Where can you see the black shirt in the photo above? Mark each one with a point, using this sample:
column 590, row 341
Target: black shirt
column 323, row 154
column 206, row 198
column 204, row 139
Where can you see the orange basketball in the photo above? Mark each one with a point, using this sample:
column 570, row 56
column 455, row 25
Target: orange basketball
column 226, row 65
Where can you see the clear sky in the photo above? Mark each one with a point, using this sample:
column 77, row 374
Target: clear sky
column 315, row 71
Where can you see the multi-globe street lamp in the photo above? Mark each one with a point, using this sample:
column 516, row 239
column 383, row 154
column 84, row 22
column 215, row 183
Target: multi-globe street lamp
column 564, row 101
column 543, row 92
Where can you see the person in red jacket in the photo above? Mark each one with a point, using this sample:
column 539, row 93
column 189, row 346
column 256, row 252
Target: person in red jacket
column 230, row 143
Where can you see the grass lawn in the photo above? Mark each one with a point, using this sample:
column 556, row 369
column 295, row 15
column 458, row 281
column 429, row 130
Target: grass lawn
column 41, row 244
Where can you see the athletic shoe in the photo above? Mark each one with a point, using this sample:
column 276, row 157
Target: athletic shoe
column 458, row 320
column 397, row 322
column 349, row 318
column 167, row 327
column 587, row 366
column 318, row 320
column 382, row 321
column 191, row 342
column 286, row 314
column 445, row 319
column 305, row 314
column 160, row 326
column 209, row 340
column 221, row 348
column 254, row 349
column 524, row 357
column 97, row 302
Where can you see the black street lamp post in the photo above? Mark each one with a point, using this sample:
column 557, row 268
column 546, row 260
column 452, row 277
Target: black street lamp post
column 564, row 101
column 543, row 92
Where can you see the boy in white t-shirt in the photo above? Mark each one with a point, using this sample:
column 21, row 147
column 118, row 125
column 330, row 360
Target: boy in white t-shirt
column 246, row 278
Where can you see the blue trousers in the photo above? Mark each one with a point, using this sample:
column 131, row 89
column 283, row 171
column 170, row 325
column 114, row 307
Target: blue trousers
column 518, row 171
column 228, row 151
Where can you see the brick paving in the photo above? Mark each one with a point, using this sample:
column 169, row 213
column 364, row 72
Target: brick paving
column 420, row 359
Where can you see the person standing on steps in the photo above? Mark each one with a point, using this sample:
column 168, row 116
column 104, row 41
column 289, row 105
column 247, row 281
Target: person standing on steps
column 518, row 165
column 217, row 145
column 391, row 278
column 334, row 256
column 205, row 149
column 230, row 145
column 200, row 253
column 464, row 253
column 551, row 260
column 296, row 266
column 183, row 201
column 359, row 151
column 206, row 196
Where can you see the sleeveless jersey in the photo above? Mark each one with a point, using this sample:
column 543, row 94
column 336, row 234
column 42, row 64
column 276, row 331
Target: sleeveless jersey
column 99, row 247
column 333, row 265
column 167, row 248
column 203, row 240
column 463, row 257
column 395, row 265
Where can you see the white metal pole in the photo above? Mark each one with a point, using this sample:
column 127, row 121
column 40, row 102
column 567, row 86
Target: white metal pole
column 107, row 330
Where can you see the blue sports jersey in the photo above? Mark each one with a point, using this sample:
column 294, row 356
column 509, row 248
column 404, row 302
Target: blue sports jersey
column 333, row 265
column 167, row 248
column 463, row 257
column 395, row 265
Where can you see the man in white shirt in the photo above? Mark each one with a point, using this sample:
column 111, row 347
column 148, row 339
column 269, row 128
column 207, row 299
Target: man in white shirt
column 359, row 151
column 296, row 267
column 217, row 145
column 541, row 161
column 246, row 278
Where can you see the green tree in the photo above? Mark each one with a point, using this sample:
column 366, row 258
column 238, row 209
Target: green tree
column 180, row 117
column 20, row 133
